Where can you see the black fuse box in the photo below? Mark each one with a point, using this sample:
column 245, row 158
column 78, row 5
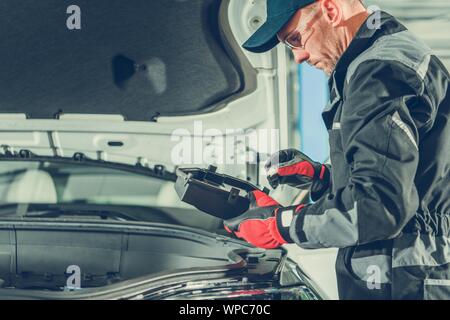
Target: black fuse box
column 219, row 195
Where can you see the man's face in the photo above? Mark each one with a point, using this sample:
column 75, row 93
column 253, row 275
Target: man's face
column 319, row 39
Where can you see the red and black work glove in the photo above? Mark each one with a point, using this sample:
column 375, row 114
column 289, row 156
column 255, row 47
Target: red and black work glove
column 265, row 224
column 295, row 169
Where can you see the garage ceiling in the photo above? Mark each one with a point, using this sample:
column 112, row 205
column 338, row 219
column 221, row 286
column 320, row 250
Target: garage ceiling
column 430, row 20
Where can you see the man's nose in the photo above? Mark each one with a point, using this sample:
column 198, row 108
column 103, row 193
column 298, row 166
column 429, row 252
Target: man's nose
column 300, row 55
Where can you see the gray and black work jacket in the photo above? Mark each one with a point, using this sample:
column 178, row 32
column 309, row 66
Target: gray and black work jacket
column 388, row 207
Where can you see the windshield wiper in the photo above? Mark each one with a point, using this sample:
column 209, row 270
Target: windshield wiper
column 156, row 171
column 24, row 210
column 102, row 214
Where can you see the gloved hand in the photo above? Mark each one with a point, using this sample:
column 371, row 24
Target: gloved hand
column 294, row 168
column 265, row 224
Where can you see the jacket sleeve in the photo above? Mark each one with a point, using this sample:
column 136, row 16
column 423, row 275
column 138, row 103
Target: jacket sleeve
column 380, row 144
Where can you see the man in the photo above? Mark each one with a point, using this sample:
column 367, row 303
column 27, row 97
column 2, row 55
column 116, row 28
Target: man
column 385, row 198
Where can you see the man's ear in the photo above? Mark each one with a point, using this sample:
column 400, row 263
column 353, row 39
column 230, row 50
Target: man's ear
column 332, row 11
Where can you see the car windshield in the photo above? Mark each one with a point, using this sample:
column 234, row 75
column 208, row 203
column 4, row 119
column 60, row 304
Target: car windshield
column 44, row 182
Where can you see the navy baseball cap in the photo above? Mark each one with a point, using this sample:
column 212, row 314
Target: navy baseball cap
column 279, row 12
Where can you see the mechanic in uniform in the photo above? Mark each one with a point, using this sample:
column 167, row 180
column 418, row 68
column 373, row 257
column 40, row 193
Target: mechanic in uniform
column 384, row 200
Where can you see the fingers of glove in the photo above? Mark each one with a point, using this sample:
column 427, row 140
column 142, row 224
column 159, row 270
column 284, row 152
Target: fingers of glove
column 259, row 199
column 303, row 168
column 258, row 233
column 273, row 181
column 293, row 163
column 255, row 213
column 281, row 157
column 299, row 175
column 296, row 181
column 261, row 207
column 285, row 156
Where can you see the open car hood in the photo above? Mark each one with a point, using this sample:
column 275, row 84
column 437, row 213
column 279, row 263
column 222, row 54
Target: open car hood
column 135, row 78
column 137, row 59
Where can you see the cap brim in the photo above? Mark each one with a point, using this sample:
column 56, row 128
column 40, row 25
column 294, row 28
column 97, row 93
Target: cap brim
column 265, row 38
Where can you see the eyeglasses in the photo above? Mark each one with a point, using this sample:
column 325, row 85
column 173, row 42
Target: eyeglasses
column 294, row 38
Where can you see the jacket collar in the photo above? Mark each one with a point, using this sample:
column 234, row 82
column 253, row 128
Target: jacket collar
column 364, row 39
